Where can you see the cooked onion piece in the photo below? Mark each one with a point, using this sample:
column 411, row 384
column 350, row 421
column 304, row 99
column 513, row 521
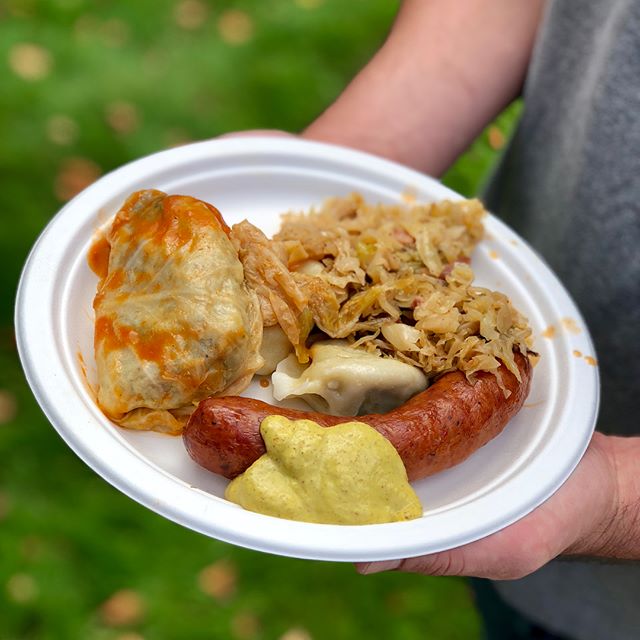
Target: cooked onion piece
column 275, row 348
column 175, row 321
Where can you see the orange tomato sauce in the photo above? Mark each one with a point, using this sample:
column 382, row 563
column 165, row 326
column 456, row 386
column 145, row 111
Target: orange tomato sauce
column 98, row 256
column 171, row 221
column 151, row 345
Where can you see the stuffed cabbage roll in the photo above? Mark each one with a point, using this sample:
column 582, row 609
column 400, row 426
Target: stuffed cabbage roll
column 174, row 320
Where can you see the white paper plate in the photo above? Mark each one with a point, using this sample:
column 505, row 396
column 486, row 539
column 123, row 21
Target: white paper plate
column 257, row 178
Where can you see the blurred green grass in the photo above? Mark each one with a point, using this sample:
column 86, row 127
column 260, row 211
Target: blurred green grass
column 86, row 87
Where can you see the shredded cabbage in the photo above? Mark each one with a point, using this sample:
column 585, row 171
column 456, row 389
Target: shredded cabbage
column 393, row 279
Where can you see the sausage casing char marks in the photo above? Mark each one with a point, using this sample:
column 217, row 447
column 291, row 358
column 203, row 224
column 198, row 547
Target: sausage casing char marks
column 433, row 431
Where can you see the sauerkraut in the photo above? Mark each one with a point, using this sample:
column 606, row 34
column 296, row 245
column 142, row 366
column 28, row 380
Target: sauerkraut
column 392, row 279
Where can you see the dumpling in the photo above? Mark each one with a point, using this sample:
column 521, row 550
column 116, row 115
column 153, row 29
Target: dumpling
column 174, row 320
column 346, row 381
column 275, row 348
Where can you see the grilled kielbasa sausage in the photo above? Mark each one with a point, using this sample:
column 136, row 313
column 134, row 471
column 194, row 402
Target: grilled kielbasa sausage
column 434, row 430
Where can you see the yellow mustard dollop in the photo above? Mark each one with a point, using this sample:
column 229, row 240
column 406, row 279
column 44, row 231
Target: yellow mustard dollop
column 347, row 474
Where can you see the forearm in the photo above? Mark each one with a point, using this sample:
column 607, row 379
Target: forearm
column 616, row 534
column 445, row 71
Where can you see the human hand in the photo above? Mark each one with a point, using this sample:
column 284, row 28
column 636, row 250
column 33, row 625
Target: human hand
column 576, row 520
column 258, row 132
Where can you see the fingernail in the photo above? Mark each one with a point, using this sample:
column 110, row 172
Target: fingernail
column 366, row 568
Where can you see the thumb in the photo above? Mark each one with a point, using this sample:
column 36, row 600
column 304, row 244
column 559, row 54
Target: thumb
column 444, row 563
column 366, row 568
